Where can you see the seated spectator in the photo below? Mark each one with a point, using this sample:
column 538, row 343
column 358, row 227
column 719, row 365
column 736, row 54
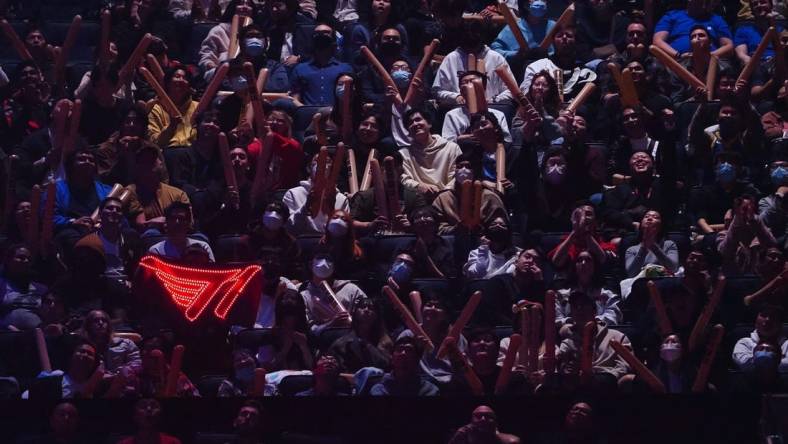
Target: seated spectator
column 627, row 203
column 546, row 190
column 578, row 427
column 64, row 423
column 771, row 266
column 339, row 240
column 116, row 156
column 502, row 291
column 17, row 226
column 534, row 26
column 587, row 279
column 404, row 378
column 771, row 209
column 446, row 85
column 583, row 237
column 655, row 138
column 565, row 58
column 155, row 354
column 496, row 255
column 324, row 310
column 363, row 206
column 298, row 200
column 77, row 196
column 251, row 40
column 367, row 345
column 327, row 378
column 483, row 426
column 27, row 107
column 149, row 198
column 734, row 132
column 435, row 322
column 374, row 18
column 289, row 350
column 241, row 383
column 585, row 163
column 147, row 416
column 482, row 359
column 21, row 296
column 748, row 35
column 765, row 376
column 711, row 202
column 274, row 266
column 312, row 81
column 119, row 356
column 390, row 50
column 198, row 169
column 673, row 369
column 434, row 255
column 457, row 122
column 285, row 45
column 77, row 381
column 672, row 32
column 653, row 247
column 601, row 28
column 328, row 129
column 269, row 232
column 768, row 326
column 178, row 222
column 102, row 112
column 116, row 244
column 745, row 235
column 288, row 156
column 248, row 421
column 606, row 365
column 165, row 130
column 428, row 164
column 448, row 202
column 213, row 50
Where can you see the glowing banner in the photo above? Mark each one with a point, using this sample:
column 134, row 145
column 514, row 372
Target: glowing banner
column 192, row 289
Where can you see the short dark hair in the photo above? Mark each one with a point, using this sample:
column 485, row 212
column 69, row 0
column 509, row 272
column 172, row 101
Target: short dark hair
column 407, row 119
column 177, row 206
column 410, row 340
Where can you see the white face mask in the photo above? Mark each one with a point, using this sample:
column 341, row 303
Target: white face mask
column 337, row 227
column 272, row 220
column 322, row 268
column 670, row 352
column 555, row 174
column 463, row 174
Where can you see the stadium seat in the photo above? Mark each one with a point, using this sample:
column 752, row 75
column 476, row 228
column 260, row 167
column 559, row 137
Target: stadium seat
column 213, row 438
column 330, row 335
column 208, row 385
column 230, row 248
column 254, row 338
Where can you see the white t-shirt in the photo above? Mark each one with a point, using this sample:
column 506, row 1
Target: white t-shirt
column 168, row 250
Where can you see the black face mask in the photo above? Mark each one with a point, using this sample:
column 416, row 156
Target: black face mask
column 390, row 48
column 322, row 42
column 498, row 235
column 728, row 127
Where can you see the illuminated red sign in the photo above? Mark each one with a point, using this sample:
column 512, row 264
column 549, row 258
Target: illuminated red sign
column 192, row 289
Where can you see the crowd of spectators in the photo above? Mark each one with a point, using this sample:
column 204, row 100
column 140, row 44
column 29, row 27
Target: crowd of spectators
column 630, row 142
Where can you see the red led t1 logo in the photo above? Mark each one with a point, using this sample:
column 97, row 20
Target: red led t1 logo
column 192, row 289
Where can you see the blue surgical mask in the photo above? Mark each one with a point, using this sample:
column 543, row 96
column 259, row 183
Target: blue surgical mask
column 763, row 359
column 401, row 78
column 322, row 268
column 538, row 8
column 238, row 83
column 340, row 91
column 254, row 46
column 726, row 173
column 779, row 176
column 400, row 272
column 272, row 220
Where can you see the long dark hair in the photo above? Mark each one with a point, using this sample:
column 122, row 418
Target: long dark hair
column 291, row 304
column 380, row 337
column 551, row 104
column 355, row 103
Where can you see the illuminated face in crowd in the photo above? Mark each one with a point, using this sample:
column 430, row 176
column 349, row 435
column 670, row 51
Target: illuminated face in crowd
column 369, row 130
column 640, row 163
column 636, row 34
column 699, row 39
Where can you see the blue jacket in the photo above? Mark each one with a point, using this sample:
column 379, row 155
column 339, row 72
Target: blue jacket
column 506, row 45
column 63, row 200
